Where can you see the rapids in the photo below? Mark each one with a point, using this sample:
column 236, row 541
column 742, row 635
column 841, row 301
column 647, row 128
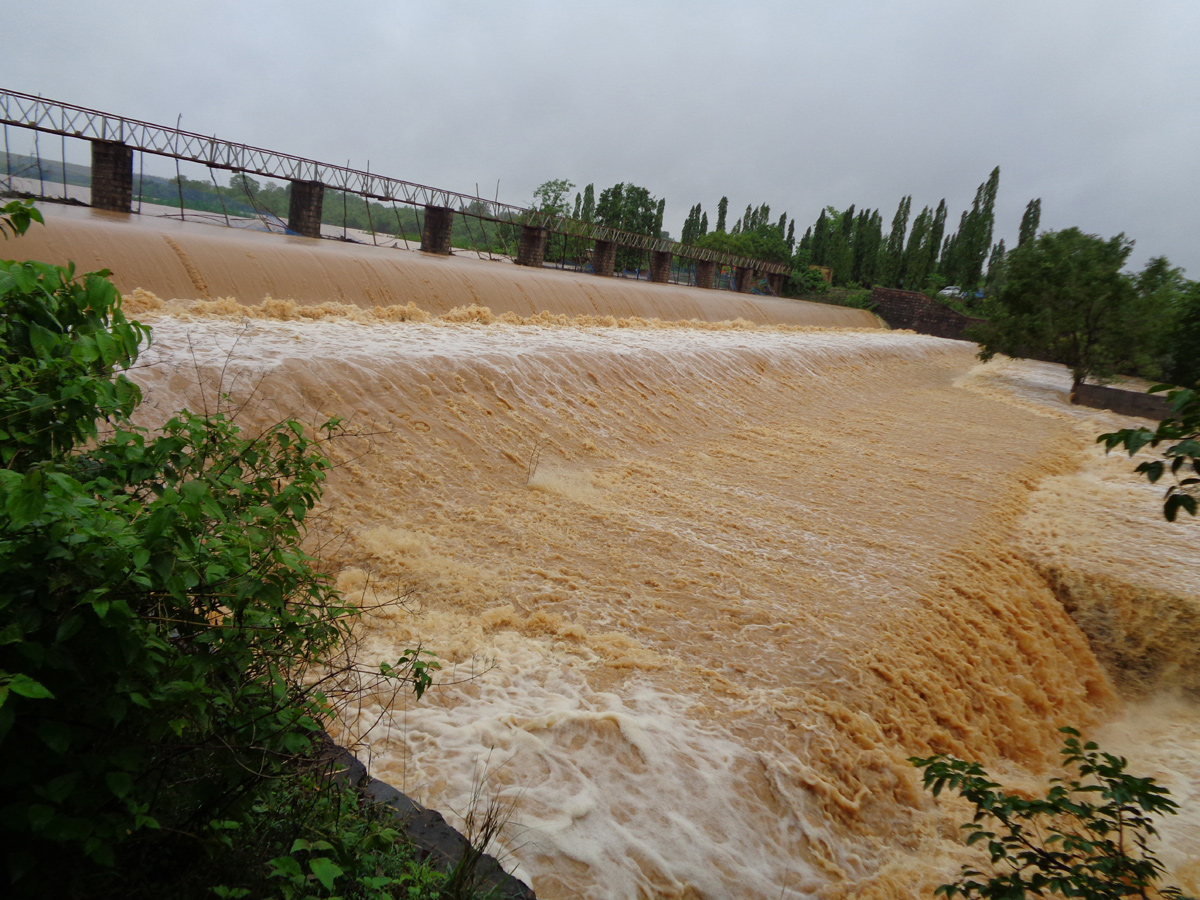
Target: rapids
column 699, row 588
column 701, row 591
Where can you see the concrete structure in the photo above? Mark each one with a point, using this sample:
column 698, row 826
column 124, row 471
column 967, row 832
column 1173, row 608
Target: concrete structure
column 304, row 208
column 913, row 310
column 439, row 225
column 745, row 279
column 775, row 283
column 604, row 257
column 112, row 176
column 660, row 266
column 532, row 251
column 706, row 273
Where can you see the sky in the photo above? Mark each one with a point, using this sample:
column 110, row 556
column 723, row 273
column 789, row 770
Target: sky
column 1091, row 105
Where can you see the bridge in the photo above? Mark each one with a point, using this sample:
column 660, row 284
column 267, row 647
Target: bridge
column 114, row 139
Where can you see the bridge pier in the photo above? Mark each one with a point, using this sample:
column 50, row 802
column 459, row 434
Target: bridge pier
column 532, row 250
column 706, row 273
column 112, row 176
column 660, row 266
column 775, row 283
column 304, row 208
column 604, row 257
column 745, row 279
column 439, row 224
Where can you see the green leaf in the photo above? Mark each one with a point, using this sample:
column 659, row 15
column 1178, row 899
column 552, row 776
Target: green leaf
column 119, row 783
column 56, row 735
column 27, row 687
column 326, row 870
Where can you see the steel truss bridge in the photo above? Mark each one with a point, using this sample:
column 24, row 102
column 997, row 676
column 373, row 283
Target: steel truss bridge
column 52, row 117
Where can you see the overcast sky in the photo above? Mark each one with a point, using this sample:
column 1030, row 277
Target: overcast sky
column 1092, row 105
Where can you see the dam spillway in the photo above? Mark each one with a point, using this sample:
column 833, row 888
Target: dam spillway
column 174, row 259
column 700, row 589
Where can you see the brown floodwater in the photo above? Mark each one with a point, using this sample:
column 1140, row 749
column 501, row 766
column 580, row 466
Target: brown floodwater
column 700, row 589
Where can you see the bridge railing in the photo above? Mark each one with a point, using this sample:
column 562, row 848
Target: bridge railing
column 54, row 117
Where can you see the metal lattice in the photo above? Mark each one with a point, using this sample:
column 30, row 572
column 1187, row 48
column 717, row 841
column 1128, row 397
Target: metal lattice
column 50, row 116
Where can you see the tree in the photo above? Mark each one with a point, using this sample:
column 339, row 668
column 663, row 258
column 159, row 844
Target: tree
column 1066, row 300
column 1030, row 221
column 588, row 212
column 892, row 263
column 1181, row 430
column 995, row 269
column 1184, row 338
column 722, row 210
column 162, row 628
column 551, row 196
column 1089, row 837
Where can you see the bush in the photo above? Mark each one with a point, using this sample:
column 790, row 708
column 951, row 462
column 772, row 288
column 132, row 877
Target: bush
column 164, row 636
column 1088, row 837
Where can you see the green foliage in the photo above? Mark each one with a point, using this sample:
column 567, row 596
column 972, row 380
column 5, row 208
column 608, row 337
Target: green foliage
column 16, row 216
column 60, row 341
column 1089, row 837
column 1066, row 300
column 763, row 240
column 305, row 837
column 164, row 636
column 1183, row 339
column 551, row 196
column 1181, row 431
column 1030, row 222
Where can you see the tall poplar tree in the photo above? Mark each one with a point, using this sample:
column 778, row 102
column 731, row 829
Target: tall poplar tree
column 588, row 213
column 1030, row 221
column 915, row 266
column 892, row 262
column 722, row 210
column 935, row 237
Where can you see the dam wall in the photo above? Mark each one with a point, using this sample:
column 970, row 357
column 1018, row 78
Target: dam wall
column 175, row 259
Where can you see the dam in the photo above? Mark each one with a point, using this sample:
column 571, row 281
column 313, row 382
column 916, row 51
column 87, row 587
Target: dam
column 703, row 569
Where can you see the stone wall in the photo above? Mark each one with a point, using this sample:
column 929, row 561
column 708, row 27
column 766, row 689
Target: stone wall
column 433, row 840
column 436, row 233
column 532, row 249
column 1127, row 403
column 112, row 176
column 304, row 208
column 915, row 311
column 660, row 266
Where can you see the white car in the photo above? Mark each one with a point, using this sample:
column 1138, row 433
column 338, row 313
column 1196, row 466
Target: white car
column 951, row 290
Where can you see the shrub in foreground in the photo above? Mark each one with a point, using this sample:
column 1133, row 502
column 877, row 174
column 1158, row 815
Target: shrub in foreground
column 164, row 636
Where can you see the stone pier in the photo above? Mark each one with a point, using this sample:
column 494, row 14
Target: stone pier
column 745, row 279
column 532, row 251
column 660, row 266
column 775, row 283
column 706, row 273
column 439, row 224
column 304, row 208
column 112, row 176
column 604, row 257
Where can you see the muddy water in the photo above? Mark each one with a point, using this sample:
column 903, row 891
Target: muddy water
column 699, row 589
column 189, row 260
column 699, row 592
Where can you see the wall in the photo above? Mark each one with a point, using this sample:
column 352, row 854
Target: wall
column 915, row 311
column 1127, row 403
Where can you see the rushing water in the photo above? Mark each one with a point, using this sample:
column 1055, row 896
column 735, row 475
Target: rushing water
column 701, row 591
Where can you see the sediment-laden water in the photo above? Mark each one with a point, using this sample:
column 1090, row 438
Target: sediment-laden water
column 700, row 588
column 700, row 591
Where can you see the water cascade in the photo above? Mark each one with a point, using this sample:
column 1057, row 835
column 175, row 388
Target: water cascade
column 701, row 589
